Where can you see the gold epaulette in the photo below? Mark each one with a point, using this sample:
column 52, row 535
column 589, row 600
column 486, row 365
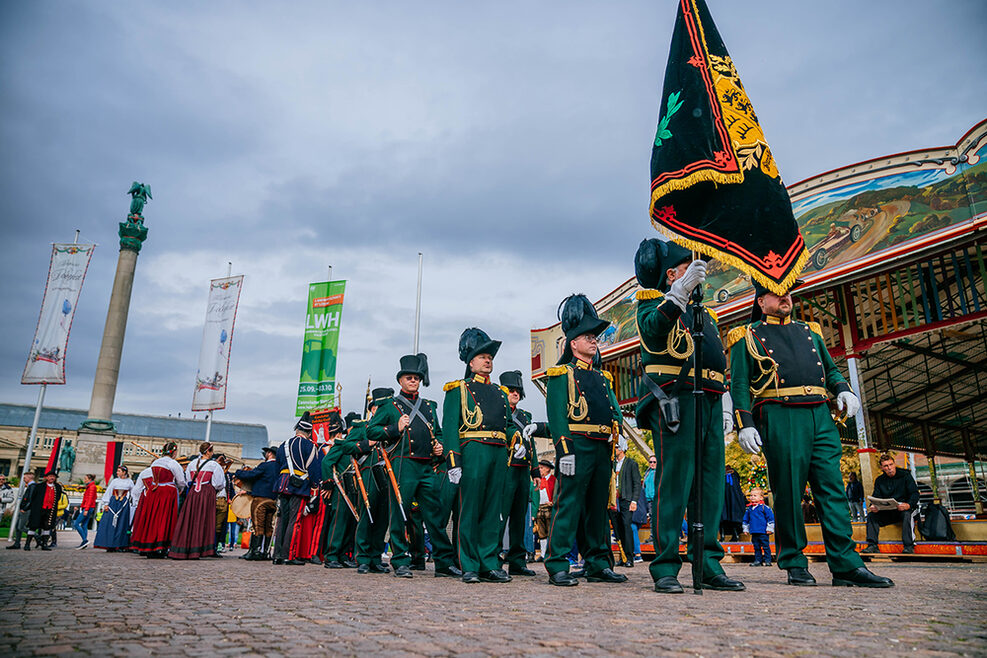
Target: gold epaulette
column 713, row 314
column 735, row 335
column 451, row 385
column 556, row 371
column 606, row 373
column 504, row 389
column 815, row 328
column 649, row 294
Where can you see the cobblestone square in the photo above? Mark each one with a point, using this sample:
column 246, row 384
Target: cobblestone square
column 91, row 602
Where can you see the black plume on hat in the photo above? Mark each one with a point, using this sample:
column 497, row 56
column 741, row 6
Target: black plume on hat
column 514, row 380
column 351, row 417
column 653, row 259
column 475, row 341
column 414, row 364
column 335, row 423
column 578, row 316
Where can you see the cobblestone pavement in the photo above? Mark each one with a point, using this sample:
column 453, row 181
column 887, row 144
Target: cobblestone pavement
column 93, row 602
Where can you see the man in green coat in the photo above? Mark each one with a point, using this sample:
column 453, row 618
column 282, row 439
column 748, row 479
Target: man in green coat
column 781, row 375
column 521, row 471
column 408, row 426
column 371, row 529
column 477, row 420
column 584, row 420
column 668, row 275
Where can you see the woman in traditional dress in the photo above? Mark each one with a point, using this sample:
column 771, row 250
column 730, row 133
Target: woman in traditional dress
column 195, row 533
column 113, row 532
column 155, row 521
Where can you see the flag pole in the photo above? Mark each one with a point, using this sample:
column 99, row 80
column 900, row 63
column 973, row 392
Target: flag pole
column 696, row 511
column 418, row 303
column 229, row 273
column 27, row 458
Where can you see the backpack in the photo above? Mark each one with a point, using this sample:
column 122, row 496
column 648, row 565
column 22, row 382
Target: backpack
column 935, row 524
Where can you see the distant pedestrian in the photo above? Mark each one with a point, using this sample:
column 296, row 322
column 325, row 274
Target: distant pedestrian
column 22, row 516
column 855, row 498
column 648, row 485
column 899, row 485
column 86, row 511
column 43, row 508
column 759, row 522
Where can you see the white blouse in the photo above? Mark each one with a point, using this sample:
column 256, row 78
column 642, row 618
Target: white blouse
column 116, row 484
column 217, row 478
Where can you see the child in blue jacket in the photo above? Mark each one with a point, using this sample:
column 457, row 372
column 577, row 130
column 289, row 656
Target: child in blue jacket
column 759, row 522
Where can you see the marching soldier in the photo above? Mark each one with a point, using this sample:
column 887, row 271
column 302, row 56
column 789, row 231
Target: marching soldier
column 410, row 425
column 296, row 462
column 522, row 469
column 669, row 275
column 370, row 534
column 476, row 415
column 583, row 418
column 335, row 485
column 781, row 375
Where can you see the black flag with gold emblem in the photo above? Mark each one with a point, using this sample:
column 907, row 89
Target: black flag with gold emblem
column 715, row 187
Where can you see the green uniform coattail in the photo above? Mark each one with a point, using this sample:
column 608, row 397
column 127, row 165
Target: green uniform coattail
column 517, row 489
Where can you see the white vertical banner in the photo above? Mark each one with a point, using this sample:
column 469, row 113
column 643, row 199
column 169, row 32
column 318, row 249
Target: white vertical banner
column 66, row 273
column 217, row 340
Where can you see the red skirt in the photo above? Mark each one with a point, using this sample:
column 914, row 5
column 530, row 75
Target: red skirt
column 301, row 540
column 155, row 520
column 195, row 534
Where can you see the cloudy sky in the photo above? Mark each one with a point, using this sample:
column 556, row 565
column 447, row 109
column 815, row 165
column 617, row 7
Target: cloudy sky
column 507, row 141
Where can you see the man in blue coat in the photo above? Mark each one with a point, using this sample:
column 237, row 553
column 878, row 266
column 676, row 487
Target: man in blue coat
column 262, row 507
column 299, row 473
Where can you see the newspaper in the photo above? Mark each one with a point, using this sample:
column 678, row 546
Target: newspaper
column 883, row 504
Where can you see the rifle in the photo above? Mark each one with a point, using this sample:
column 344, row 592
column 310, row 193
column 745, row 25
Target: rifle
column 363, row 489
column 342, row 492
column 153, row 454
column 394, row 481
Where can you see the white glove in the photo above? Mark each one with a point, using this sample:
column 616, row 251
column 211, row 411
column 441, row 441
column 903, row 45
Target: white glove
column 455, row 475
column 747, row 530
column 770, row 528
column 567, row 465
column 847, row 401
column 750, row 440
column 682, row 288
column 727, row 413
column 520, row 451
column 529, row 430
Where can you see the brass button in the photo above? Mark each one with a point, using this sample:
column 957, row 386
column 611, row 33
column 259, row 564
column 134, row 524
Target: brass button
column 786, row 397
column 782, row 381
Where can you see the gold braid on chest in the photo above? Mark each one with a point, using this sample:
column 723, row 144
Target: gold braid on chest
column 578, row 407
column 767, row 365
column 472, row 418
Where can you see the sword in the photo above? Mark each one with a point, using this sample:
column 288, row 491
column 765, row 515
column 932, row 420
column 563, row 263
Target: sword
column 394, row 481
column 363, row 489
column 342, row 492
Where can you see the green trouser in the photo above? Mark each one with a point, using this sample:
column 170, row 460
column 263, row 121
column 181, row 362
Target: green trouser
column 801, row 445
column 340, row 528
column 370, row 536
column 447, row 504
column 480, row 492
column 676, row 469
column 580, row 515
column 517, row 495
column 418, row 483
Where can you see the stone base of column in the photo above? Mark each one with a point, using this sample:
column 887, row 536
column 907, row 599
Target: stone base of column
column 90, row 454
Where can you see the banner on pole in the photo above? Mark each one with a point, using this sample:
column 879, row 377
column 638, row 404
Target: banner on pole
column 114, row 457
column 67, row 271
column 217, row 341
column 317, row 382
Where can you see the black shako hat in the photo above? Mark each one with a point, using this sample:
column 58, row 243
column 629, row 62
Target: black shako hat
column 351, row 417
column 475, row 341
column 654, row 258
column 304, row 423
column 335, row 423
column 578, row 316
column 760, row 291
column 414, row 364
column 381, row 395
column 512, row 379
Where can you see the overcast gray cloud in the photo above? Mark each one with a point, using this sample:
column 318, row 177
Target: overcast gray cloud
column 508, row 141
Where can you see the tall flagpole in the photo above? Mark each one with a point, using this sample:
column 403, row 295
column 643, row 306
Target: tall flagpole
column 418, row 303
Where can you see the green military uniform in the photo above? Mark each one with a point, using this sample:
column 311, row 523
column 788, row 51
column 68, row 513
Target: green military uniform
column 666, row 346
column 780, row 374
column 370, row 536
column 520, row 473
column 412, row 459
column 583, row 417
column 477, row 421
column 339, row 535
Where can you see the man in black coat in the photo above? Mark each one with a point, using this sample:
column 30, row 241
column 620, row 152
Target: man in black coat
column 734, row 506
column 898, row 485
column 628, row 492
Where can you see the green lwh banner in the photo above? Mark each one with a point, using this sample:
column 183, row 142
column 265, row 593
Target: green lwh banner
column 317, row 382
